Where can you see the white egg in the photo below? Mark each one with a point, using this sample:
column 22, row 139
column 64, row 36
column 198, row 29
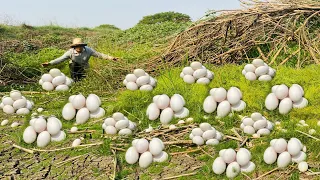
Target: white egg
column 209, row 75
column 40, row 82
column 284, row 159
column 229, row 156
column 76, row 142
column 256, row 116
column 271, row 102
column 125, row 82
column 142, row 145
column 258, row 62
column 92, row 103
column 60, row 136
column 132, row 86
column 223, row 109
column 153, row 111
column 247, row 121
column 46, row 78
column 121, row 124
column 250, row 76
column 182, row 114
column 20, row 103
column 282, row 91
column 98, row 113
column 70, row 99
column 8, row 109
column 145, row 159
column 110, row 122
column 219, row 166
column 146, row 87
column 189, row 79
column 272, row 72
column 188, row 71
column 220, row 94
column 125, row 132
column 233, row 170
column 4, row 122
column 15, row 124
column 29, row 105
column 143, row 80
column 294, row 147
column 200, row 73
column 181, row 122
column 15, row 95
column 172, row 126
column 280, row 145
column 110, row 130
column 39, row 125
column 248, row 168
column 270, row 155
column 155, row 147
column 242, row 126
column 300, row 104
column 166, row 115
column 176, row 103
column 243, row 157
column 219, row 135
column 303, row 166
column 79, row 101
column 262, row 70
column 274, row 88
column 82, row 116
column 196, row 65
column 139, row 72
column 233, row 96
column 260, row 124
column 212, row 142
column 69, row 81
column 249, row 68
column 273, row 141
column 132, row 156
column 55, row 72
column 163, row 101
column 244, row 72
column 240, row 106
column 182, row 75
column 197, row 132
column 7, row 101
column 209, row 134
column 130, row 78
column 301, row 156
column 285, row 106
column 203, row 81
column 299, row 87
column 249, row 130
column 29, row 135
column 59, row 80
column 211, row 92
column 205, row 127
column 265, row 78
column 68, row 112
column 43, row 139
column 221, row 152
column 162, row 157
column 263, row 132
column 118, row 116
column 23, row 111
column 209, row 104
column 198, row 140
column 74, row 129
column 53, row 126
column 295, row 93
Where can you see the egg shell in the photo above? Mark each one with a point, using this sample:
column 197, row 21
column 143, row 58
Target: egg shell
column 258, row 62
column 303, row 166
column 132, row 86
column 263, row 132
column 142, row 145
column 248, row 168
column 23, row 111
column 1, row 105
column 139, row 72
column 143, row 80
column 240, row 106
column 110, row 130
column 274, row 88
column 176, row 103
column 15, row 124
column 209, row 104
column 285, row 106
column 244, row 72
column 82, row 116
column 189, row 79
column 270, row 155
column 29, row 135
column 284, row 159
column 166, row 116
column 212, row 142
column 55, row 72
column 280, row 145
column 121, row 124
column 153, row 111
column 15, row 95
column 262, row 70
column 282, row 91
column 294, row 147
column 233, row 170
column 182, row 75
column 146, row 87
column 223, row 109
column 145, row 160
column 131, row 78
column 125, row 131
column 4, row 122
column 300, row 104
column 59, row 80
column 247, row 121
column 250, row 76
column 301, row 156
column 196, row 65
column 219, row 135
column 299, row 87
column 74, row 129
column 162, row 157
column 249, row 68
column 43, row 139
column 211, row 92
column 53, row 126
column 209, row 75
column 220, row 94
column 271, row 72
column 132, row 156
column 92, row 103
column 249, row 130
column 46, row 78
column 260, row 124
column 68, row 111
column 69, row 81
column 198, row 140
column 70, row 99
column 79, row 101
column 271, row 102
column 197, row 132
column 98, row 113
column 219, row 166
column 221, row 152
column 265, row 77
column 7, row 101
column 233, row 96
column 60, row 136
column 243, row 157
column 8, row 109
column 132, row 126
column 205, row 127
column 229, row 156
column 39, row 125
column 155, row 147
column 209, row 134
column 163, row 101
column 118, row 116
column 29, row 105
column 76, row 143
column 295, row 93
column 203, row 81
column 188, row 71
column 200, row 73
column 181, row 122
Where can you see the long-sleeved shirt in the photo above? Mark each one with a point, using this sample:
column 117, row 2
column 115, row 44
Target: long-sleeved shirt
column 80, row 58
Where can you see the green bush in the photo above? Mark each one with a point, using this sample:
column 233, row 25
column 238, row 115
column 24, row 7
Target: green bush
column 165, row 17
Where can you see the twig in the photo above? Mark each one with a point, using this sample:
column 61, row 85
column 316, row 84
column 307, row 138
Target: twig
column 313, row 173
column 205, row 152
column 246, row 175
column 181, row 175
column 308, row 135
column 267, row 173
column 231, row 137
column 244, row 142
column 115, row 164
column 237, row 134
column 68, row 160
column 118, row 149
column 23, row 149
column 178, row 142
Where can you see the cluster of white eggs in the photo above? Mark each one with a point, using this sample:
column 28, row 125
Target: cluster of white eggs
column 55, row 80
column 224, row 102
column 289, row 98
column 118, row 123
column 139, row 80
column 196, row 72
column 167, row 108
column 258, row 69
column 233, row 162
column 43, row 131
column 83, row 108
column 205, row 133
column 256, row 125
column 146, row 152
column 285, row 152
column 16, row 103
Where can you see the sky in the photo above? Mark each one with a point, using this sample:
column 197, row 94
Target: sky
column 83, row 13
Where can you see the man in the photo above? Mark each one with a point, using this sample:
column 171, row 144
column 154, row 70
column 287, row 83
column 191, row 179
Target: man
column 79, row 55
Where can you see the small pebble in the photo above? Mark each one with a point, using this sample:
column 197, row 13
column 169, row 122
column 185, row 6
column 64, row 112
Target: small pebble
column 4, row 122
column 15, row 124
column 172, row 126
column 76, row 142
column 256, row 135
column 312, row 131
column 181, row 122
column 40, row 110
column 74, row 129
column 303, row 166
column 302, row 122
column 189, row 120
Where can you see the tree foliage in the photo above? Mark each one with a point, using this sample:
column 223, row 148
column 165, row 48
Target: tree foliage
column 165, row 17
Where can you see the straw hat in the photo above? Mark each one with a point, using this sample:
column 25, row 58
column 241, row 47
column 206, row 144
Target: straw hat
column 77, row 42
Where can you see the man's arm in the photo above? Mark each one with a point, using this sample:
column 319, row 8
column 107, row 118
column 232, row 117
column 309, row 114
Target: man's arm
column 101, row 55
column 64, row 57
